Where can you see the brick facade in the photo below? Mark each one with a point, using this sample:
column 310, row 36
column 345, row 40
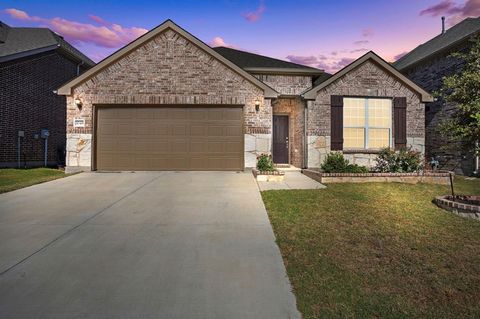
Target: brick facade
column 28, row 103
column 167, row 70
column 429, row 74
column 287, row 84
column 368, row 79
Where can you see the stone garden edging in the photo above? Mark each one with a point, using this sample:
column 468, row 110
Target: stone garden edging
column 268, row 176
column 459, row 208
column 442, row 178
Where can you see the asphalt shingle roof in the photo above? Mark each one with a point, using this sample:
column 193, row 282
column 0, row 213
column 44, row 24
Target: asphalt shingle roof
column 459, row 32
column 251, row 60
column 15, row 41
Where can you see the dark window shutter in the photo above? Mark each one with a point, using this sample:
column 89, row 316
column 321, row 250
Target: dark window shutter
column 336, row 123
column 400, row 122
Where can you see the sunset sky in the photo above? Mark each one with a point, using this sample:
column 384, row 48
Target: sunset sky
column 320, row 33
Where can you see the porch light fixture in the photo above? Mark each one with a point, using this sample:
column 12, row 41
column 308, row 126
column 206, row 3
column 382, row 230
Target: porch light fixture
column 78, row 102
column 257, row 105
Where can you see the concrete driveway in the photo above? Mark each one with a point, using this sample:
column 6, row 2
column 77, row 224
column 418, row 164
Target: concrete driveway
column 141, row 245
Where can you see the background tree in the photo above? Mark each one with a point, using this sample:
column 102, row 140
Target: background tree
column 463, row 126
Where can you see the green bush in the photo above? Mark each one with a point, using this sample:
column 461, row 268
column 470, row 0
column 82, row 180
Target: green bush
column 404, row 160
column 336, row 163
column 265, row 163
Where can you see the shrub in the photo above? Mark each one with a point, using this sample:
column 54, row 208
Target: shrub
column 265, row 163
column 404, row 160
column 336, row 163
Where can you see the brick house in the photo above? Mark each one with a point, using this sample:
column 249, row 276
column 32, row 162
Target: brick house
column 426, row 65
column 168, row 101
column 34, row 62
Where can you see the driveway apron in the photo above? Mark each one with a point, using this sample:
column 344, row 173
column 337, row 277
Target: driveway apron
column 141, row 245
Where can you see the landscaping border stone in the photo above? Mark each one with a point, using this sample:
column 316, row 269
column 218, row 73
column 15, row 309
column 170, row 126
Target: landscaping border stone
column 459, row 208
column 430, row 177
column 268, row 176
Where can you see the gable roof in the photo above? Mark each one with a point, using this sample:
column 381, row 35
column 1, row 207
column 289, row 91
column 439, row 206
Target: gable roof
column 66, row 89
column 311, row 94
column 456, row 34
column 16, row 43
column 263, row 64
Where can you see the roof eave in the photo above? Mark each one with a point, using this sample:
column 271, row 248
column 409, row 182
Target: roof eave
column 284, row 71
column 24, row 54
column 438, row 52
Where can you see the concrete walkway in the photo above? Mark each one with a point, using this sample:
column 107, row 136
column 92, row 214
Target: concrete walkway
column 141, row 245
column 294, row 179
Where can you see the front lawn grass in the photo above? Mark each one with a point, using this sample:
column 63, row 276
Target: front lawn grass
column 12, row 179
column 378, row 250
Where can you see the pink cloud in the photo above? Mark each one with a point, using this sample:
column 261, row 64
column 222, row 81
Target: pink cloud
column 98, row 20
column 455, row 12
column 254, row 16
column 220, row 42
column 107, row 35
column 22, row 15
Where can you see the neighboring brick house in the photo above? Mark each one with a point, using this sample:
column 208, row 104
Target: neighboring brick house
column 426, row 65
column 168, row 101
column 34, row 62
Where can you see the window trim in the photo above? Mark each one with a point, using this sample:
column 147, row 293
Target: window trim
column 367, row 127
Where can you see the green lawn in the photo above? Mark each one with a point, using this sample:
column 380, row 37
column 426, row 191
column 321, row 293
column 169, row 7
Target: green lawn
column 378, row 251
column 11, row 179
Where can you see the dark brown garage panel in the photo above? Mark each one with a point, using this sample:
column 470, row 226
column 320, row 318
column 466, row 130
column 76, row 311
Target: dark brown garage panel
column 169, row 138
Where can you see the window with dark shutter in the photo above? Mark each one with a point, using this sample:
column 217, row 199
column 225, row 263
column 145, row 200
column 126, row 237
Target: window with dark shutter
column 400, row 122
column 336, row 123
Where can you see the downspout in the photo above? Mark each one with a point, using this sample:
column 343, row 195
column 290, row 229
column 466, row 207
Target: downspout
column 78, row 67
column 477, row 160
column 305, row 137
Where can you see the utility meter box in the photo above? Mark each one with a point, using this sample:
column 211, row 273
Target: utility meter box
column 44, row 133
column 21, row 133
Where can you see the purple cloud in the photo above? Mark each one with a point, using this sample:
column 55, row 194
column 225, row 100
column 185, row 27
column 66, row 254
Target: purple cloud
column 455, row 13
column 359, row 50
column 368, row 33
column 254, row 16
column 361, row 42
column 444, row 7
column 305, row 60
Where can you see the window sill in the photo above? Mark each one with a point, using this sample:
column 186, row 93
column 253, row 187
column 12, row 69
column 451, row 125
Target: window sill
column 362, row 151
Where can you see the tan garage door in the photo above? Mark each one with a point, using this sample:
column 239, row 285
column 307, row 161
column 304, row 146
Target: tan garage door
column 169, row 138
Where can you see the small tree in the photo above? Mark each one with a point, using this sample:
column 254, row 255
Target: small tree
column 463, row 89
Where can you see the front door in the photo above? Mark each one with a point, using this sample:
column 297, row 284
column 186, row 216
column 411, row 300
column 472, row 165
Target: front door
column 280, row 139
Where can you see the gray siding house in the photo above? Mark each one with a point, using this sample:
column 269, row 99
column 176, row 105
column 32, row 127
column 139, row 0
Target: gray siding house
column 168, row 101
column 426, row 65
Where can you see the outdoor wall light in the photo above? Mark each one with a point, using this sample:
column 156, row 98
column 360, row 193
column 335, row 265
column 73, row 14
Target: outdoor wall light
column 78, row 102
column 257, row 105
